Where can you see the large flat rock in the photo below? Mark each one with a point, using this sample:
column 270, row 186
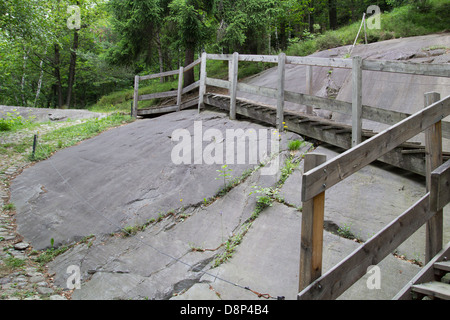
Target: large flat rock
column 391, row 91
column 267, row 262
column 122, row 177
column 370, row 199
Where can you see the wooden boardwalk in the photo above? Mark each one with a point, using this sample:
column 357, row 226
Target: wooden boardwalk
column 391, row 146
column 409, row 155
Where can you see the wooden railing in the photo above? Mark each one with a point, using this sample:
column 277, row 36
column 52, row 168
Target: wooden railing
column 428, row 209
column 321, row 175
column 355, row 109
column 174, row 93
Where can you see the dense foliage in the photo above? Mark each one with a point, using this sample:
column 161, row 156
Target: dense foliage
column 69, row 53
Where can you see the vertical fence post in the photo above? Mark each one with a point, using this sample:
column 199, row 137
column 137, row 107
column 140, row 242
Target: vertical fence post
column 230, row 74
column 233, row 85
column 309, row 79
column 433, row 151
column 357, row 101
column 180, row 87
column 202, row 89
column 135, row 97
column 280, row 88
column 312, row 230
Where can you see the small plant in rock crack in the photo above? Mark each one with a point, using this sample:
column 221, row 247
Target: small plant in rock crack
column 224, row 173
column 294, row 145
column 266, row 198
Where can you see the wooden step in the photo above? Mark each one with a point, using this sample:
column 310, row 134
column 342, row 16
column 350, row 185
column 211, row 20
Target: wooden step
column 434, row 289
column 443, row 265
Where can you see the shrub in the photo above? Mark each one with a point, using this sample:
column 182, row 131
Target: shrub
column 328, row 41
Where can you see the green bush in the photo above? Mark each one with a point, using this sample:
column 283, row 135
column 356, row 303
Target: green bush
column 11, row 121
column 329, row 41
column 302, row 48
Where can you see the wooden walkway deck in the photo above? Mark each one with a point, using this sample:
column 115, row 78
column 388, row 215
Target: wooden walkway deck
column 409, row 156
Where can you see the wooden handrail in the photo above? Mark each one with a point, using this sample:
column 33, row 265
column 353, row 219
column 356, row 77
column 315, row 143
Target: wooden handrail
column 351, row 161
column 174, row 93
column 427, row 210
column 342, row 276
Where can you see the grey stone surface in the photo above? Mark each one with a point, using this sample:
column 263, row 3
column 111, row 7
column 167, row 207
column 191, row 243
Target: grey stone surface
column 367, row 201
column 122, row 177
column 45, row 114
column 392, row 91
column 125, row 176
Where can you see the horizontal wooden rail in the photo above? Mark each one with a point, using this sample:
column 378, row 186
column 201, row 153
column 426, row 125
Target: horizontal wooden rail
column 320, row 62
column 158, row 95
column 440, row 187
column 192, row 65
column 158, row 75
column 337, row 280
column 424, row 69
column 351, row 161
column 218, row 83
column 223, row 57
column 257, row 90
column 174, row 93
column 341, row 277
column 191, row 87
column 258, row 58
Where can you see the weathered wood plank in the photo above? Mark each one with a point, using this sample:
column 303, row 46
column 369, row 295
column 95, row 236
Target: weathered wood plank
column 356, row 101
column 135, row 96
column 210, row 56
column 424, row 275
column 312, row 230
column 426, row 69
column 280, row 89
column 338, row 279
column 309, row 85
column 192, row 65
column 233, row 85
column 159, row 75
column 180, row 87
column 258, row 58
column 320, row 62
column 257, row 90
column 436, row 289
column 158, row 95
column 433, row 155
column 218, row 83
column 191, row 87
column 370, row 150
column 440, row 183
column 150, row 111
column 202, row 87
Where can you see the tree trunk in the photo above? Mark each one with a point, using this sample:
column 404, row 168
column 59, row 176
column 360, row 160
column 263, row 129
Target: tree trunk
column 189, row 77
column 39, row 85
column 22, row 82
column 160, row 56
column 72, row 68
column 332, row 13
column 311, row 16
column 57, row 71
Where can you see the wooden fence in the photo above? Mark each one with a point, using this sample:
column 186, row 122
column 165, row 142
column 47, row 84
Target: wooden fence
column 355, row 109
column 320, row 174
column 174, row 93
column 428, row 210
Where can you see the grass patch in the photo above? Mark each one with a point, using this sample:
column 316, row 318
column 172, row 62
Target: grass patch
column 69, row 136
column 9, row 207
column 295, row 145
column 406, row 21
column 50, row 254
column 11, row 264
